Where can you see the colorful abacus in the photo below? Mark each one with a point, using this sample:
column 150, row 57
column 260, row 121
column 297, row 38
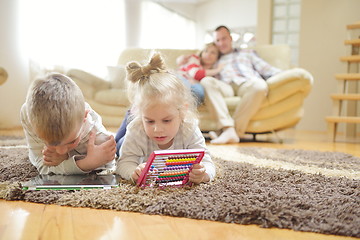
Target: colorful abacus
column 169, row 167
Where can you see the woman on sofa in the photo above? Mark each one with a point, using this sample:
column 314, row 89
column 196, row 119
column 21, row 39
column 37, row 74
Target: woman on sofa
column 193, row 68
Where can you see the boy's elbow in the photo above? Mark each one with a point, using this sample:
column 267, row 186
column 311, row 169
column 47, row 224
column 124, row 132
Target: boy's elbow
column 43, row 169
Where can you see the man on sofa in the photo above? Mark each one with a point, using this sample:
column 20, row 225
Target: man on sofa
column 243, row 75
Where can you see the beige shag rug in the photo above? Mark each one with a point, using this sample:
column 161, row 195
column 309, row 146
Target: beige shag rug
column 294, row 189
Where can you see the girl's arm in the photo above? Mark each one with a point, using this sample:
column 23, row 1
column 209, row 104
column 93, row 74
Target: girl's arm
column 214, row 71
column 131, row 152
column 206, row 166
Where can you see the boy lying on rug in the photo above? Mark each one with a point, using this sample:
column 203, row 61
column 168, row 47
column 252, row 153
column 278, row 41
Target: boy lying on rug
column 164, row 117
column 64, row 135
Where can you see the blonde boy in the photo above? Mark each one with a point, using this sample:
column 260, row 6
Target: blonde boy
column 64, row 135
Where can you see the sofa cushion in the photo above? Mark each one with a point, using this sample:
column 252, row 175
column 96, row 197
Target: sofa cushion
column 114, row 96
column 232, row 102
column 276, row 55
column 143, row 55
column 87, row 90
column 109, row 110
column 117, row 76
column 88, row 79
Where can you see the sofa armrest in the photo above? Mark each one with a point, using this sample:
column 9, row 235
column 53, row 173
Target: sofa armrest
column 289, row 82
column 294, row 74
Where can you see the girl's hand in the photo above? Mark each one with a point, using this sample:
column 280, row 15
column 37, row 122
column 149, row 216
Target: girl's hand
column 136, row 174
column 198, row 174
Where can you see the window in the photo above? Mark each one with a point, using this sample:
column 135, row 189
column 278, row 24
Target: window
column 90, row 34
column 87, row 34
column 243, row 37
column 286, row 25
column 163, row 28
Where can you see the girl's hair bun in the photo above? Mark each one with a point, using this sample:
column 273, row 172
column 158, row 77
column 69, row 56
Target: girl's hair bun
column 136, row 72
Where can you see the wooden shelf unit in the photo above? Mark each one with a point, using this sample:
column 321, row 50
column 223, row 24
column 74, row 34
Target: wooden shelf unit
column 348, row 90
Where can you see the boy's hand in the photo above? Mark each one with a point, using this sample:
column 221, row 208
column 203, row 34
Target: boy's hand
column 198, row 174
column 98, row 155
column 51, row 157
column 136, row 174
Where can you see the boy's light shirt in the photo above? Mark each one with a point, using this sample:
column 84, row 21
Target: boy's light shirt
column 137, row 147
column 36, row 145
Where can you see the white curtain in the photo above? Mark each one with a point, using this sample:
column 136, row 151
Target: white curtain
column 87, row 34
column 90, row 34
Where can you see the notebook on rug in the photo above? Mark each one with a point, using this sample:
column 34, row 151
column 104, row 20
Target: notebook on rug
column 71, row 182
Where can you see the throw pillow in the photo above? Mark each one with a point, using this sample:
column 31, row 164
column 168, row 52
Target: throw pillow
column 116, row 76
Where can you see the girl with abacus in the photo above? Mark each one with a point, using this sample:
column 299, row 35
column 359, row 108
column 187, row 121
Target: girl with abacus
column 164, row 118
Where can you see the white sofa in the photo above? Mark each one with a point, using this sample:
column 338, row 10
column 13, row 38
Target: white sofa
column 282, row 109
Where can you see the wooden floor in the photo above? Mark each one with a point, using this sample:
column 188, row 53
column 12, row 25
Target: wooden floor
column 22, row 220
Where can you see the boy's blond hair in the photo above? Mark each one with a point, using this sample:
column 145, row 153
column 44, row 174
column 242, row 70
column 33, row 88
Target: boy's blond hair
column 152, row 83
column 55, row 106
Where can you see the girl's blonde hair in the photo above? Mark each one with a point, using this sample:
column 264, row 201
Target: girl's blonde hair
column 152, row 83
column 210, row 44
column 55, row 106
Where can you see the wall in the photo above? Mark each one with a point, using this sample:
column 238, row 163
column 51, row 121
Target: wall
column 212, row 13
column 232, row 13
column 186, row 10
column 322, row 35
column 264, row 18
column 133, row 28
column 13, row 91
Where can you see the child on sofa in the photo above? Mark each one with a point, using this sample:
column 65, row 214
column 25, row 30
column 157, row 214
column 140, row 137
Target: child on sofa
column 195, row 67
column 64, row 135
column 164, row 117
